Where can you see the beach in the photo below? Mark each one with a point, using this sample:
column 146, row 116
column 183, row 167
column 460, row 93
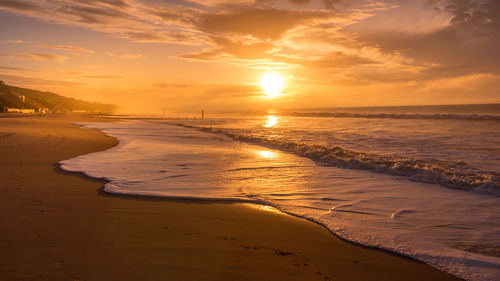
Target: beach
column 62, row 226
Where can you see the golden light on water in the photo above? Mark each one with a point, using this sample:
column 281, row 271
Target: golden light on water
column 272, row 83
column 263, row 208
column 267, row 154
column 271, row 121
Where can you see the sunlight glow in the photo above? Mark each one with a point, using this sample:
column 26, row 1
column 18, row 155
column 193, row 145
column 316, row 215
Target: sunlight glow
column 267, row 154
column 271, row 121
column 264, row 208
column 272, row 84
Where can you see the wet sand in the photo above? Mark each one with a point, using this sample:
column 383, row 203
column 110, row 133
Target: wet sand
column 62, row 226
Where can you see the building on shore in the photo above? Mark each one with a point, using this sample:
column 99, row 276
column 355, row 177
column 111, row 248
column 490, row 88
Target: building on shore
column 18, row 110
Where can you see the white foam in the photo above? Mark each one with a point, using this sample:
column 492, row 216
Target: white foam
column 437, row 116
column 457, row 175
column 428, row 222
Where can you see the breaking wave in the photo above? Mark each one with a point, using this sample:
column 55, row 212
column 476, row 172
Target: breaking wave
column 458, row 175
column 477, row 117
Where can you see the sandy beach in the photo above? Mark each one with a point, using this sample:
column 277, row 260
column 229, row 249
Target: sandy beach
column 62, row 226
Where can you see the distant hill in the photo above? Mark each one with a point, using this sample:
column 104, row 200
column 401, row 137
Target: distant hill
column 12, row 97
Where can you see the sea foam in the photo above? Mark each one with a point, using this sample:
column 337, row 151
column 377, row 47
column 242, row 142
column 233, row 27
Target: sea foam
column 436, row 116
column 457, row 175
column 453, row 230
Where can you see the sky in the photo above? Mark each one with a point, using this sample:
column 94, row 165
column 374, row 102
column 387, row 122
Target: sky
column 147, row 56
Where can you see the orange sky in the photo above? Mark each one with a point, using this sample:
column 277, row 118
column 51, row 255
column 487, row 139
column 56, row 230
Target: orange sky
column 183, row 55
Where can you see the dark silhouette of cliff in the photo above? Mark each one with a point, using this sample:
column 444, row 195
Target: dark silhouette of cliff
column 17, row 97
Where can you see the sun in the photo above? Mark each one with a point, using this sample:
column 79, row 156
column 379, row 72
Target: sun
column 272, row 84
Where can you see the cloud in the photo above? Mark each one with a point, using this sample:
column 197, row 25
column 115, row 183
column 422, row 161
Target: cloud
column 171, row 85
column 92, row 14
column 240, row 30
column 209, row 92
column 127, row 56
column 134, row 20
column 51, row 46
column 331, row 60
column 477, row 15
column 465, row 36
column 37, row 82
column 38, row 57
column 115, row 3
column 226, row 46
column 18, row 5
column 330, row 4
column 262, row 23
column 12, row 68
column 15, row 71
column 18, row 42
column 102, row 76
column 232, row 91
column 300, row 2
column 71, row 72
column 144, row 37
column 265, row 52
column 89, row 12
column 470, row 82
column 66, row 48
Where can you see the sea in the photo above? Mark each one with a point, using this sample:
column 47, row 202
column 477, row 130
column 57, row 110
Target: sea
column 420, row 181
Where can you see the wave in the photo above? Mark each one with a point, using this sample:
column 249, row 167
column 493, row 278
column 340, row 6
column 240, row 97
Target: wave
column 440, row 116
column 458, row 175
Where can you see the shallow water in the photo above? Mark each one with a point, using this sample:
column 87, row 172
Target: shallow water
column 459, row 153
column 454, row 230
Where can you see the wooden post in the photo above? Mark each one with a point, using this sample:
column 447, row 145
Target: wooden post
column 202, row 115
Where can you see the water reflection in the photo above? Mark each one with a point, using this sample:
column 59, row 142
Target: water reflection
column 264, row 208
column 267, row 154
column 271, row 121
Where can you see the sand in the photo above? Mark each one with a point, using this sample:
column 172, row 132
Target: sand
column 62, row 226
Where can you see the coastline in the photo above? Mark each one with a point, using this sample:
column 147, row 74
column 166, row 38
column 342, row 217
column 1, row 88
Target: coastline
column 55, row 226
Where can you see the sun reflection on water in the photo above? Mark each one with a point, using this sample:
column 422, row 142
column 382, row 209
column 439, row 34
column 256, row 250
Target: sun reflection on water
column 271, row 121
column 267, row 154
column 264, row 208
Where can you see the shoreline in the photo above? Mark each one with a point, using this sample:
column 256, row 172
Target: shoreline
column 246, row 243
column 184, row 200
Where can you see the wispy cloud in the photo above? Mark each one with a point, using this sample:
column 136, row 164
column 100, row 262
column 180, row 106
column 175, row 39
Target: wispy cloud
column 101, row 76
column 66, row 48
column 19, row 42
column 37, row 57
column 19, row 5
column 38, row 82
column 210, row 91
column 51, row 46
column 127, row 56
column 267, row 23
column 471, row 82
column 9, row 68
